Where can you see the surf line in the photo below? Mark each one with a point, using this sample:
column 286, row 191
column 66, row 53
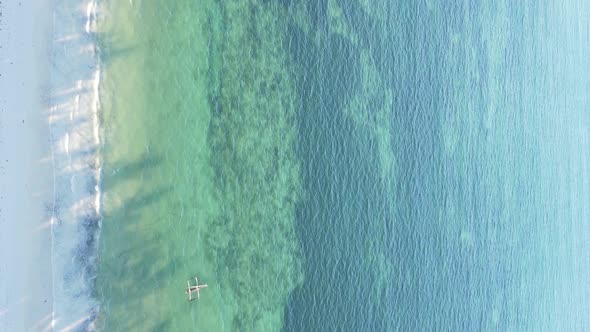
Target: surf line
column 75, row 140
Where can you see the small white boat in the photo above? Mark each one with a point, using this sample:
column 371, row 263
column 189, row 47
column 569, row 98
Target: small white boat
column 196, row 288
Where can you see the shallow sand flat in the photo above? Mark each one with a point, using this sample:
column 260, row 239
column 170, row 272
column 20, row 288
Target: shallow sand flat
column 26, row 188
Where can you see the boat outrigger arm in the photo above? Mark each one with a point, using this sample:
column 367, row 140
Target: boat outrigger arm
column 196, row 288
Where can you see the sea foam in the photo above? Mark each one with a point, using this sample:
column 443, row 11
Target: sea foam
column 75, row 142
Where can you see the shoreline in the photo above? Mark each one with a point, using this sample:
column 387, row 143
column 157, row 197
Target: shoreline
column 49, row 144
column 74, row 130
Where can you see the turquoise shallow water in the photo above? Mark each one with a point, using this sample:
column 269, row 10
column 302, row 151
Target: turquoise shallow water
column 345, row 165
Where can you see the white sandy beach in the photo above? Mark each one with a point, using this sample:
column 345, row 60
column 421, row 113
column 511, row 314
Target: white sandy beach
column 49, row 170
column 26, row 292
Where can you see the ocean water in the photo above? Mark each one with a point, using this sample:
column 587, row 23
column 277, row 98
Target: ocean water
column 345, row 165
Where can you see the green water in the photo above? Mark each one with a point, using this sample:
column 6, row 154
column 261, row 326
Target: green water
column 198, row 170
column 344, row 165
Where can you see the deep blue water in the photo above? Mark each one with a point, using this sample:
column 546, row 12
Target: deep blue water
column 484, row 225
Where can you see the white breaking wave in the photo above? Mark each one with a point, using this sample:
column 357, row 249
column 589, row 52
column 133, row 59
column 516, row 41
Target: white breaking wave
column 75, row 141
